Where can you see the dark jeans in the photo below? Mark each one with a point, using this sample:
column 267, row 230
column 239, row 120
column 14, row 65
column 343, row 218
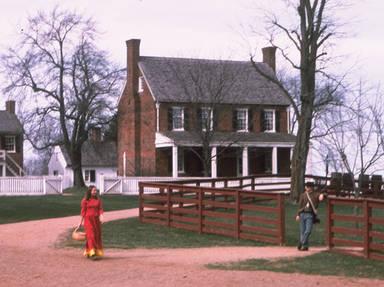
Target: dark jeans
column 306, row 223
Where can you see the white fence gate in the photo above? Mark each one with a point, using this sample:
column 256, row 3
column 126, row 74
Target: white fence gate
column 31, row 185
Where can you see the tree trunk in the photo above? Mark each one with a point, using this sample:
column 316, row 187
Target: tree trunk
column 300, row 152
column 299, row 159
column 78, row 180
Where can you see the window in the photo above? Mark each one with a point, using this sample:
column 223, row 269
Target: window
column 206, row 119
column 10, row 144
column 242, row 120
column 177, row 118
column 55, row 172
column 269, row 120
column 90, row 175
column 141, row 84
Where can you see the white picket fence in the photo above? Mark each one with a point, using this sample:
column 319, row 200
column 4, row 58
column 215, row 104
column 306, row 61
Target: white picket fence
column 130, row 185
column 31, row 185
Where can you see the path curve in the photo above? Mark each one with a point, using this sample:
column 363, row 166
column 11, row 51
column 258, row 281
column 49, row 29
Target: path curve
column 28, row 257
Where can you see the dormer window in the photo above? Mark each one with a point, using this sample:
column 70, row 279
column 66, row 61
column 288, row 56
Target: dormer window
column 241, row 120
column 140, row 88
column 269, row 120
column 177, row 118
column 206, row 119
column 10, row 143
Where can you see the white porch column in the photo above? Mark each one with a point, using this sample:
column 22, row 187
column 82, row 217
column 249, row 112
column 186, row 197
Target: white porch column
column 214, row 162
column 157, row 117
column 174, row 162
column 274, row 160
column 245, row 161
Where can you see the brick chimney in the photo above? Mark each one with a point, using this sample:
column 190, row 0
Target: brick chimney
column 128, row 118
column 95, row 134
column 269, row 57
column 10, row 107
column 133, row 54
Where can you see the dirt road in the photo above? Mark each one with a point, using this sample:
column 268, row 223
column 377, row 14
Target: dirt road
column 28, row 257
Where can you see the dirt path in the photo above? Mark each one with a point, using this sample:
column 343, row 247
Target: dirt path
column 28, row 257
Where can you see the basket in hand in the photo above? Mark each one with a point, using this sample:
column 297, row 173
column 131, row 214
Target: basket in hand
column 78, row 235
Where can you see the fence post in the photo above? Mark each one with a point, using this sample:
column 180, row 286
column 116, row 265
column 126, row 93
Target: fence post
column 238, row 214
column 367, row 227
column 141, row 201
column 169, row 190
column 44, row 185
column 281, row 205
column 101, row 184
column 329, row 224
column 200, row 204
column 253, row 183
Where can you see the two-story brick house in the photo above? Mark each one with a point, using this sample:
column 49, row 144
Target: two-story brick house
column 173, row 111
column 11, row 142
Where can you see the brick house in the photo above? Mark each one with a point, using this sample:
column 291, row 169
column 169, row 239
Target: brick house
column 170, row 106
column 11, row 142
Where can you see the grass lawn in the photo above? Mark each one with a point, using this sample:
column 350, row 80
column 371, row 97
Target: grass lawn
column 130, row 233
column 324, row 263
column 23, row 208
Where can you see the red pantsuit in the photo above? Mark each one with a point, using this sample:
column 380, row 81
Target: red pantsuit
column 90, row 211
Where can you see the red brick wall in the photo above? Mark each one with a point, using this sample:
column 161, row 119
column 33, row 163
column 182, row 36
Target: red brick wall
column 283, row 121
column 147, row 133
column 128, row 120
column 224, row 118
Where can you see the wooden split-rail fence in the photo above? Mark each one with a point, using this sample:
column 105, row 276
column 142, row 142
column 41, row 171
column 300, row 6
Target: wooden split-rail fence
column 224, row 206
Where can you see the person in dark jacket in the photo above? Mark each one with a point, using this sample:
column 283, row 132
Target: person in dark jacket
column 306, row 213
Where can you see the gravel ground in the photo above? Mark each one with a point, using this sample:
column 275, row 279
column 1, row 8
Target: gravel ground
column 29, row 257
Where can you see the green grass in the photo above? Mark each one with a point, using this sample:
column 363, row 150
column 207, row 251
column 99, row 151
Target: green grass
column 24, row 208
column 292, row 227
column 324, row 263
column 130, row 233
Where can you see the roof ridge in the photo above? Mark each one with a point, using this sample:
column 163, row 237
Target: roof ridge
column 196, row 59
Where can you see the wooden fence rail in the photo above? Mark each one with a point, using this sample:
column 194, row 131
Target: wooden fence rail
column 356, row 225
column 229, row 212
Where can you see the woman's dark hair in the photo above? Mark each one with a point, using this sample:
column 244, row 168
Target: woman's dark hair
column 88, row 193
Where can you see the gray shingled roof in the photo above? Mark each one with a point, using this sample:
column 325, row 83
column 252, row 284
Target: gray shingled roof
column 178, row 79
column 9, row 124
column 192, row 138
column 96, row 154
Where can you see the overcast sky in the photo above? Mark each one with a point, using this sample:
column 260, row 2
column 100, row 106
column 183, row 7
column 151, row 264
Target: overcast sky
column 203, row 28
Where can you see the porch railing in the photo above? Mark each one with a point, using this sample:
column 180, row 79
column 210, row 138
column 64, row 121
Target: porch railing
column 10, row 164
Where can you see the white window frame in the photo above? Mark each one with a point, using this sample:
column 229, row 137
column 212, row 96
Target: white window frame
column 180, row 161
column 87, row 175
column 238, row 111
column 273, row 121
column 202, row 120
column 140, row 87
column 174, row 109
column 13, row 143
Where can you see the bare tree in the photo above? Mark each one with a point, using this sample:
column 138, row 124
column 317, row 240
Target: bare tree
column 67, row 85
column 355, row 136
column 310, row 36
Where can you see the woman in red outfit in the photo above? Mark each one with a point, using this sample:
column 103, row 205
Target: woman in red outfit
column 92, row 216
